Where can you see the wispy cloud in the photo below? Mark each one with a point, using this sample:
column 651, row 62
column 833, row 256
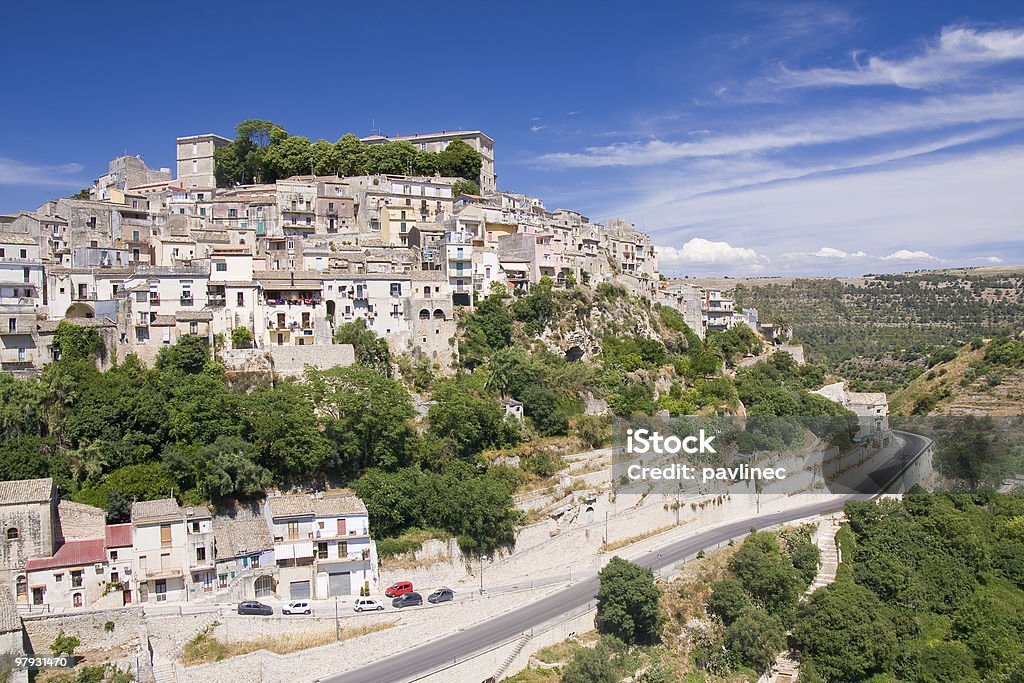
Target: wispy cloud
column 958, row 52
column 13, row 172
column 851, row 124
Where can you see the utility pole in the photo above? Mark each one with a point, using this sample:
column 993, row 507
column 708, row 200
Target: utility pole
column 606, row 529
column 337, row 624
column 481, row 575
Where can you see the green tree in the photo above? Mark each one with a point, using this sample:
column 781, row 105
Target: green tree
column 241, row 338
column 755, row 638
column 289, row 437
column 189, row 356
column 64, row 644
column 227, row 468
column 464, row 186
column 324, row 158
column 75, row 342
column 627, row 606
column 767, row 575
column 728, row 600
column 459, row 160
column 352, row 154
column 290, row 157
column 469, row 422
column 81, row 194
column 599, row 664
column 367, row 416
column 371, row 351
column 844, row 629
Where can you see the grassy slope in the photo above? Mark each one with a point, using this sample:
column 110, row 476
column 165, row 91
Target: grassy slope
column 966, row 396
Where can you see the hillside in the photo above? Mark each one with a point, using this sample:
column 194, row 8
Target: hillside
column 982, row 379
column 877, row 331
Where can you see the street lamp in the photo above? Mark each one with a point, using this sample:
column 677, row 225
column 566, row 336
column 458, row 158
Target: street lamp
column 337, row 624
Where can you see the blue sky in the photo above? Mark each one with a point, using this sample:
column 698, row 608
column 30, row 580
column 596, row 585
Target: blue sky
column 747, row 138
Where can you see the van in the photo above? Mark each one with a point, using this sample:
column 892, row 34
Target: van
column 400, row 588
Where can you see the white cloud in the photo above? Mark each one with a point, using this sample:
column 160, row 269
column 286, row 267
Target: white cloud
column 534, row 129
column 700, row 250
column 958, row 52
column 845, row 125
column 829, row 252
column 989, row 259
column 14, row 172
column 907, row 255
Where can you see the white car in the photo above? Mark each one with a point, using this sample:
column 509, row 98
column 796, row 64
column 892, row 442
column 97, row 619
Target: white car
column 297, row 607
column 368, row 605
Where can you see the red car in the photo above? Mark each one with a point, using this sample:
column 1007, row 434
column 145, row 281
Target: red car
column 400, row 588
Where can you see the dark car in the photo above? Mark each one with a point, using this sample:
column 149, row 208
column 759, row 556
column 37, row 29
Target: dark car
column 253, row 607
column 441, row 595
column 407, row 600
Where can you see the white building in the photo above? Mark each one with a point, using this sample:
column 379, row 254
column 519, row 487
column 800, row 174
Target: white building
column 173, row 550
column 322, row 544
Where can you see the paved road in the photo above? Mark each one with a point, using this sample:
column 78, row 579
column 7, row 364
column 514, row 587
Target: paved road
column 446, row 650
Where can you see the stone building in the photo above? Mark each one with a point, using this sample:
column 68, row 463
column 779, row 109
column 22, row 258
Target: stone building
column 30, row 528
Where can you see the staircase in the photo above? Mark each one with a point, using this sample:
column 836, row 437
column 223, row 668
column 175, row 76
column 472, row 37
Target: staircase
column 523, row 640
column 830, row 558
column 163, row 671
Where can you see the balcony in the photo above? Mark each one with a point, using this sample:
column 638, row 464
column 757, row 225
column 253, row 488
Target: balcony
column 83, row 296
column 163, row 573
column 216, row 301
column 186, row 301
column 154, row 299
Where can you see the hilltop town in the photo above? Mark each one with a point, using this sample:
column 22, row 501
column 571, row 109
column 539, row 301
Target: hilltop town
column 151, row 256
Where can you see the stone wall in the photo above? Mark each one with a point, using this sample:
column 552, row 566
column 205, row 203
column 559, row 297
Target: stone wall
column 89, row 628
column 80, row 521
column 288, row 361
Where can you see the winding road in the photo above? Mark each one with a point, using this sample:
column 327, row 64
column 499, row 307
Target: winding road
column 443, row 651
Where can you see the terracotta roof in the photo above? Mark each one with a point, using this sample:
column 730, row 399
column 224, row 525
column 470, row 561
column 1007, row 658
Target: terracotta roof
column 334, row 504
column 118, row 535
column 25, row 491
column 9, row 619
column 163, row 320
column 240, row 530
column 151, row 510
column 71, row 554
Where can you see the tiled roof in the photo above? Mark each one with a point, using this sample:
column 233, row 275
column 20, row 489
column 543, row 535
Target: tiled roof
column 240, row 530
column 190, row 316
column 147, row 510
column 331, row 504
column 118, row 535
column 71, row 554
column 25, row 491
column 9, row 619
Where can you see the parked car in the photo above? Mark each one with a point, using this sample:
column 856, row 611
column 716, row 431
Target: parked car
column 253, row 607
column 368, row 605
column 400, row 588
column 297, row 607
column 441, row 595
column 407, row 600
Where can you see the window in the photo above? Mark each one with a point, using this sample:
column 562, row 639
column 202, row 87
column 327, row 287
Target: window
column 76, row 578
column 321, row 551
column 220, row 266
column 293, row 531
column 113, row 556
column 135, row 235
column 3, row 252
column 165, row 535
column 241, row 298
column 12, row 324
column 12, row 534
column 141, row 297
column 232, row 213
column 195, row 527
column 193, row 327
column 59, row 578
column 396, row 289
column 24, row 253
column 77, row 599
column 201, row 554
column 343, row 549
column 141, row 334
column 202, row 210
column 135, row 203
column 195, row 166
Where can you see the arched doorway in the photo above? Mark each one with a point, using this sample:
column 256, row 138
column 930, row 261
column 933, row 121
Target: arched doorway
column 264, row 587
column 438, row 314
column 331, row 305
column 79, row 310
column 77, row 598
column 22, row 588
column 424, row 314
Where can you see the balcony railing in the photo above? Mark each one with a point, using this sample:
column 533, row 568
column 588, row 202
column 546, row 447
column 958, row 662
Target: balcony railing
column 186, row 301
